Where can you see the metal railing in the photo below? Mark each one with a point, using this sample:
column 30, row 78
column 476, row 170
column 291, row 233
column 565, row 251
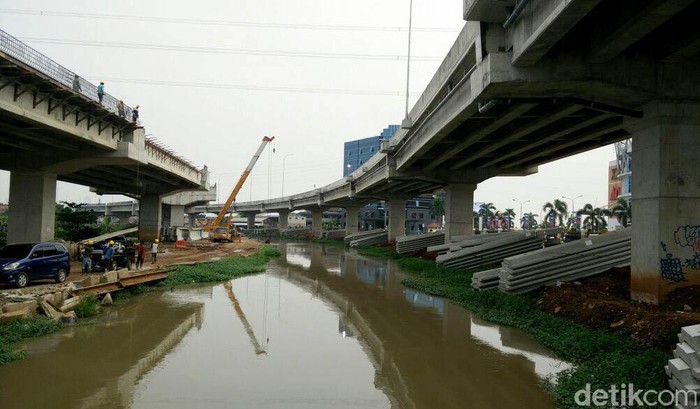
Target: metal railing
column 72, row 81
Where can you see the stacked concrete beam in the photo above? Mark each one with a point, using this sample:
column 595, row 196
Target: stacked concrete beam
column 295, row 232
column 368, row 238
column 333, row 234
column 566, row 262
column 494, row 251
column 684, row 368
column 487, row 280
column 410, row 244
column 464, row 242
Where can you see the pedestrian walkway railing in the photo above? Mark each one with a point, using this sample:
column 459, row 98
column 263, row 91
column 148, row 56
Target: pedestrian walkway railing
column 20, row 51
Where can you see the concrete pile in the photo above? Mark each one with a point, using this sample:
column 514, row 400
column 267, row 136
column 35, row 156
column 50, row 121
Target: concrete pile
column 684, row 368
column 566, row 262
column 333, row 234
column 486, row 280
column 411, row 244
column 367, row 238
column 493, row 251
column 462, row 242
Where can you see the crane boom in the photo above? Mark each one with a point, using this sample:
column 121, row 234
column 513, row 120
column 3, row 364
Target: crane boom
column 239, row 185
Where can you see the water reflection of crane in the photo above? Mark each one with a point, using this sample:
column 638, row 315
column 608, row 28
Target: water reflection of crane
column 258, row 348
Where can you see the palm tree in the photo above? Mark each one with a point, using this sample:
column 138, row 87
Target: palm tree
column 485, row 211
column 437, row 208
column 623, row 211
column 511, row 217
column 558, row 208
column 594, row 217
column 531, row 220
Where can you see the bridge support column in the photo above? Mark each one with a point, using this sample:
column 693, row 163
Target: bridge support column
column 177, row 215
column 250, row 220
column 351, row 219
column 459, row 202
column 32, row 206
column 283, row 219
column 150, row 216
column 316, row 222
column 666, row 196
column 397, row 218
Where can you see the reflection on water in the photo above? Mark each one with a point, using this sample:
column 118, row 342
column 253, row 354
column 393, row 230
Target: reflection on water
column 321, row 328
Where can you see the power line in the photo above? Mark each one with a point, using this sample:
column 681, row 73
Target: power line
column 217, row 50
column 225, row 22
column 249, row 87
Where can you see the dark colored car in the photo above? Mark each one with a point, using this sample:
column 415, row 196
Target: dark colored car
column 123, row 256
column 24, row 262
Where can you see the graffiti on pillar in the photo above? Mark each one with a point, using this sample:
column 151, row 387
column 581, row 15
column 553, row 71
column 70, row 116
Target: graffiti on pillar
column 688, row 237
column 671, row 267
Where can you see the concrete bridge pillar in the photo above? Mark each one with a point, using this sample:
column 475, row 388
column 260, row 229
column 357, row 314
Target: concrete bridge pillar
column 666, row 198
column 32, row 213
column 397, row 218
column 150, row 216
column 351, row 219
column 459, row 202
column 283, row 219
column 316, row 221
column 250, row 220
column 177, row 215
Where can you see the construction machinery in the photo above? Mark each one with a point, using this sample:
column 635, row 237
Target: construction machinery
column 225, row 230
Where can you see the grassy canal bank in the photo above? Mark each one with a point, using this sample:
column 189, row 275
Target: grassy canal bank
column 601, row 357
column 214, row 272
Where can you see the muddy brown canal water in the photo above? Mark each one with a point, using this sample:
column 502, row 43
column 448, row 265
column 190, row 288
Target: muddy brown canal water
column 321, row 328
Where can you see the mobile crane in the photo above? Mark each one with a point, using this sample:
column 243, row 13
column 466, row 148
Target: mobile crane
column 226, row 231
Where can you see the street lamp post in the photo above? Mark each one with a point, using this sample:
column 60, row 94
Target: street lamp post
column 283, row 159
column 573, row 208
column 521, row 208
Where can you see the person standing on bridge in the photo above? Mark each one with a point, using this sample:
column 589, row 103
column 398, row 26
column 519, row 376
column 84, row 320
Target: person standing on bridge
column 120, row 109
column 135, row 113
column 100, row 91
column 154, row 251
column 76, row 83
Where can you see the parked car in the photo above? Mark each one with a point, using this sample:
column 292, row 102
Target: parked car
column 24, row 262
column 123, row 256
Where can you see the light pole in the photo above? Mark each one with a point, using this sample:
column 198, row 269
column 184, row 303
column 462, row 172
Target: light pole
column 521, row 208
column 284, row 159
column 408, row 63
column 573, row 208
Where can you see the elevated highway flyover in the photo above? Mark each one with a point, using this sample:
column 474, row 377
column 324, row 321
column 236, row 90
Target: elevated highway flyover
column 530, row 82
column 52, row 127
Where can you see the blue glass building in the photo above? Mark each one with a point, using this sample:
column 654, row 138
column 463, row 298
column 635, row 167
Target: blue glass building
column 357, row 152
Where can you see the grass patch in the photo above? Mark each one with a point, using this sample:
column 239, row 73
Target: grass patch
column 87, row 306
column 221, row 270
column 601, row 358
column 17, row 330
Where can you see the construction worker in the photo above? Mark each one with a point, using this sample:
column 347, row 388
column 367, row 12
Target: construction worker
column 140, row 251
column 120, row 109
column 100, row 91
column 86, row 256
column 135, row 113
column 107, row 256
column 154, row 251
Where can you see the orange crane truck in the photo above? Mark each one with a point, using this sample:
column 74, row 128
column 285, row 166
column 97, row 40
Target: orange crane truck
column 221, row 230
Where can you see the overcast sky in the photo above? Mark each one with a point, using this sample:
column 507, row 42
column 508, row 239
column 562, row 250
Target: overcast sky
column 212, row 80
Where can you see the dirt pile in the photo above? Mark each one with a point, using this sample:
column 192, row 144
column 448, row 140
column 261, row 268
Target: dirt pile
column 603, row 302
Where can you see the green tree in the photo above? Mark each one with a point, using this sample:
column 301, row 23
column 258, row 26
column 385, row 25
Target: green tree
column 3, row 229
column 531, row 220
column 511, row 216
column 486, row 210
column 74, row 223
column 595, row 217
column 623, row 211
column 558, row 208
column 437, row 208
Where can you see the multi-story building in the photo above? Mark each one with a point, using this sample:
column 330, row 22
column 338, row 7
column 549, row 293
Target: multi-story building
column 357, row 152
